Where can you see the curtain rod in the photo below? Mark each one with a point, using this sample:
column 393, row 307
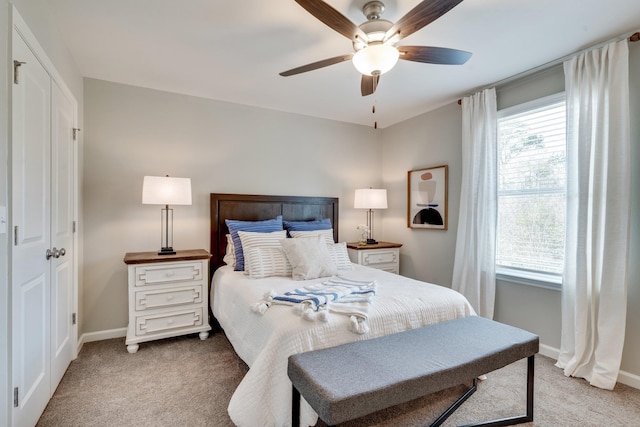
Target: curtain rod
column 633, row 37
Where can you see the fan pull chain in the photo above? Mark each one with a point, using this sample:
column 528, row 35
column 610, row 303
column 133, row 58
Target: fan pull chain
column 373, row 108
column 373, row 111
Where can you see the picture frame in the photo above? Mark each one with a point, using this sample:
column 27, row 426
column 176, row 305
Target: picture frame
column 427, row 198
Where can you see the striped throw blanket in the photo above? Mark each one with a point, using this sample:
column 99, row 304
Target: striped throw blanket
column 339, row 295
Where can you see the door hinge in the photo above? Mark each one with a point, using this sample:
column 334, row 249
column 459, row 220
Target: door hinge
column 15, row 236
column 75, row 133
column 74, row 226
column 16, row 65
column 73, row 318
column 15, row 397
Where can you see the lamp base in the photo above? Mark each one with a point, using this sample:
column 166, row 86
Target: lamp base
column 167, row 251
column 372, row 242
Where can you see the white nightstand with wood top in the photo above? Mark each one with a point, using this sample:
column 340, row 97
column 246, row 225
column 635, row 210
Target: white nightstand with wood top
column 168, row 295
column 381, row 255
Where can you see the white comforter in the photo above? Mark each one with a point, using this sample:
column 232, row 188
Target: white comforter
column 264, row 342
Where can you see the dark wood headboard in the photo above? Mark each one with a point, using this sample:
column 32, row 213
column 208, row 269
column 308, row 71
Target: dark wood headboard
column 247, row 207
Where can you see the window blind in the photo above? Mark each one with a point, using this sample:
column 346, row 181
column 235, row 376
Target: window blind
column 532, row 186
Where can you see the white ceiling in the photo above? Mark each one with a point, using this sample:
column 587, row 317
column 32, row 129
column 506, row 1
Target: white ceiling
column 233, row 50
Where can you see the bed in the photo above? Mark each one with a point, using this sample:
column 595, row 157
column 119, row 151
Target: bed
column 265, row 341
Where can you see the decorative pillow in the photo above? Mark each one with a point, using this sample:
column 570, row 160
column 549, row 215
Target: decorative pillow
column 251, row 240
column 266, row 261
column 309, row 258
column 229, row 255
column 326, row 234
column 340, row 256
column 321, row 224
column 234, row 226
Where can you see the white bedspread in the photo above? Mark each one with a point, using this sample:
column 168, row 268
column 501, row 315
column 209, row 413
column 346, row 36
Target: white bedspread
column 264, row 342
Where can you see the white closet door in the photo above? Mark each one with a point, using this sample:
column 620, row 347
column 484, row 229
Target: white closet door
column 31, row 215
column 62, row 184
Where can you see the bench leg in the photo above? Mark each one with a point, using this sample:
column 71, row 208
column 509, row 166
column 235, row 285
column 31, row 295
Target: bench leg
column 518, row 419
column 295, row 408
column 451, row 409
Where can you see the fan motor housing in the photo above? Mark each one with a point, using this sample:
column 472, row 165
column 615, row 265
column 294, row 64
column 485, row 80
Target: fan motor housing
column 375, row 30
column 373, row 10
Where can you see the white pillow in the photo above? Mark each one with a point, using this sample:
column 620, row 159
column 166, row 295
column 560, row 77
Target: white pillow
column 326, row 234
column 309, row 258
column 340, row 256
column 265, row 261
column 250, row 239
column 230, row 254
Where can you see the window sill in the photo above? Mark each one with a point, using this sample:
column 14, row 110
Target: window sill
column 530, row 278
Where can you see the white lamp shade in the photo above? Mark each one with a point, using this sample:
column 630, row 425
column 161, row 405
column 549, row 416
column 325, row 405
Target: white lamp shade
column 375, row 59
column 165, row 190
column 370, row 198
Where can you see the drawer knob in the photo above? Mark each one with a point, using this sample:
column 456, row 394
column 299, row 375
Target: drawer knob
column 170, row 322
column 169, row 273
column 169, row 297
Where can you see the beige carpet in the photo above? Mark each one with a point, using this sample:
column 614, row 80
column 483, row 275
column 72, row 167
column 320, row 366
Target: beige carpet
column 187, row 382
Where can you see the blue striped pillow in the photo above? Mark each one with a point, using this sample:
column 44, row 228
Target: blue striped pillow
column 320, row 224
column 234, row 226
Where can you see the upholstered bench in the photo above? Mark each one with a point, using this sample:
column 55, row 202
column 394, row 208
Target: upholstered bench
column 352, row 380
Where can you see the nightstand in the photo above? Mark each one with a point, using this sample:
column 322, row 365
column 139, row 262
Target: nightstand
column 382, row 255
column 168, row 295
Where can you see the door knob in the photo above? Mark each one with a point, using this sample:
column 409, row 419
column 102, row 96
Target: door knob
column 55, row 253
column 63, row 252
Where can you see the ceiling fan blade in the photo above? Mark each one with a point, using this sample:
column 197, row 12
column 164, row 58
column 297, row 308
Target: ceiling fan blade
column 434, row 55
column 424, row 13
column 369, row 84
column 332, row 18
column 316, row 65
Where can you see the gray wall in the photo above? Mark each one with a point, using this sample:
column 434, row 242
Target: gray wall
column 631, row 360
column 226, row 148
column 434, row 138
column 431, row 139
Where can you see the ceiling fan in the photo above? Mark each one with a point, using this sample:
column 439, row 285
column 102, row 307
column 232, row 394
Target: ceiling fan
column 374, row 41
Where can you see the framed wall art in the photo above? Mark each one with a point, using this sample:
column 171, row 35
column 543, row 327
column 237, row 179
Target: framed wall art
column 427, row 198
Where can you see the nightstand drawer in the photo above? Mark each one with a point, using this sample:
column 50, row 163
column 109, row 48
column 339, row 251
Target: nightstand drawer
column 168, row 273
column 146, row 300
column 165, row 321
column 379, row 257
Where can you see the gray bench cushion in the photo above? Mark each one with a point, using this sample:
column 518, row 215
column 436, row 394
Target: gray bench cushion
column 355, row 379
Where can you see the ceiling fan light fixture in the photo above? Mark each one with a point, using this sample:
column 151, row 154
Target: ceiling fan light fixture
column 375, row 59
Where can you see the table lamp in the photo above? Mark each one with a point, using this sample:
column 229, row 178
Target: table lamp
column 166, row 190
column 370, row 198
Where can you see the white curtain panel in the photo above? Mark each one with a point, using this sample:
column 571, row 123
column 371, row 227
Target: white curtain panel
column 594, row 286
column 474, row 270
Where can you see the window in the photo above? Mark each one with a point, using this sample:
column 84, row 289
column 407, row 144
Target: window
column 532, row 191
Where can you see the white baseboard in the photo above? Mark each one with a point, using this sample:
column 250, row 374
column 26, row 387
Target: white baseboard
column 101, row 335
column 629, row 379
column 624, row 377
column 549, row 351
